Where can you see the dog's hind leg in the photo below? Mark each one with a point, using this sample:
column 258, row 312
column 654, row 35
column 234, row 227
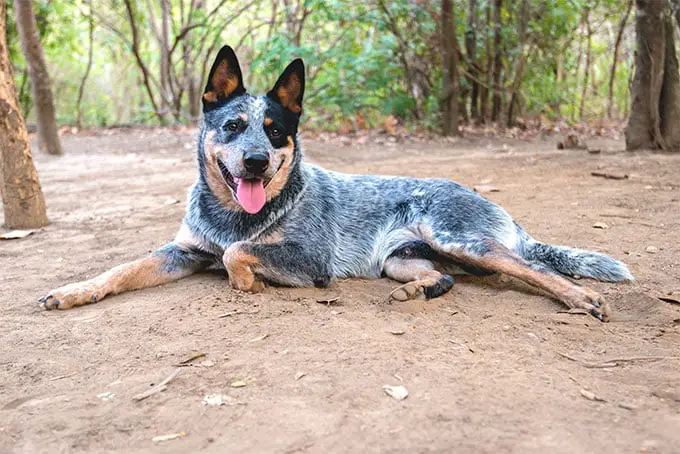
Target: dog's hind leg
column 249, row 264
column 170, row 263
column 419, row 276
column 493, row 256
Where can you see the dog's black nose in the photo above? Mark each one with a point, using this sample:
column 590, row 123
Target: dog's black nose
column 256, row 163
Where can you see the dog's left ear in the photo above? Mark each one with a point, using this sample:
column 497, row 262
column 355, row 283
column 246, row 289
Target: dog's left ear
column 290, row 87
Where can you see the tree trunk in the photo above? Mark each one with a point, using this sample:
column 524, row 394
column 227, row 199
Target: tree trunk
column 498, row 62
column 523, row 25
column 471, row 50
column 165, row 56
column 655, row 92
column 449, row 57
column 669, row 100
column 90, row 55
column 22, row 198
column 48, row 132
column 586, row 72
column 615, row 61
column 485, row 95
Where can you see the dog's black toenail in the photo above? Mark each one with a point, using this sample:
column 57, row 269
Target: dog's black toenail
column 56, row 303
column 42, row 300
column 94, row 298
column 322, row 281
column 596, row 304
column 443, row 285
column 447, row 281
column 596, row 314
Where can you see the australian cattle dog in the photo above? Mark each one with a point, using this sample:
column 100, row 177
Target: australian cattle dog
column 263, row 214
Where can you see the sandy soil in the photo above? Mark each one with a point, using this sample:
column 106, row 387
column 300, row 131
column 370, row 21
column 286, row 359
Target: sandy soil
column 483, row 364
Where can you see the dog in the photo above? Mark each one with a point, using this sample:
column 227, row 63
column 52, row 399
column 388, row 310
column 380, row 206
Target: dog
column 265, row 216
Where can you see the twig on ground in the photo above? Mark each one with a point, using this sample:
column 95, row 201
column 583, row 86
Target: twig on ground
column 193, row 358
column 615, row 361
column 162, row 386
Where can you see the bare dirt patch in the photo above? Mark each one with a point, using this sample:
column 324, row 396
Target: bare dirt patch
column 483, row 365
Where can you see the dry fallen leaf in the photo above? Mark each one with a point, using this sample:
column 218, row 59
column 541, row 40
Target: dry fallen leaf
column 397, row 332
column 591, row 396
column 242, row 383
column 651, row 249
column 397, row 392
column 600, row 225
column 299, row 375
column 168, row 437
column 672, row 298
column 16, row 234
column 105, row 396
column 610, row 176
column 483, row 188
column 328, row 301
column 259, row 338
column 216, row 400
column 171, row 202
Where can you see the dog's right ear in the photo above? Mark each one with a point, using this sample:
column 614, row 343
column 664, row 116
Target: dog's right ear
column 225, row 79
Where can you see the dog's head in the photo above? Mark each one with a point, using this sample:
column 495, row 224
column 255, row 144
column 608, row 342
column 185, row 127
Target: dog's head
column 250, row 141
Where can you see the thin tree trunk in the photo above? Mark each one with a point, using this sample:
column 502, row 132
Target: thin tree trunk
column 90, row 55
column 449, row 57
column 471, row 50
column 138, row 58
column 48, row 132
column 191, row 81
column 498, row 62
column 523, row 24
column 22, row 198
column 669, row 100
column 615, row 60
column 165, row 56
column 24, row 99
column 644, row 123
column 577, row 71
column 486, row 89
column 586, row 72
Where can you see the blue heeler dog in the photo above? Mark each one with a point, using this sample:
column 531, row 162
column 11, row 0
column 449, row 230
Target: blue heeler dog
column 261, row 213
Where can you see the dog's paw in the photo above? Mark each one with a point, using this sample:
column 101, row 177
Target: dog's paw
column 250, row 286
column 69, row 296
column 427, row 288
column 593, row 302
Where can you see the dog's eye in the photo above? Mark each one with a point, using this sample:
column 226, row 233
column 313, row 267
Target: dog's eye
column 275, row 132
column 231, row 126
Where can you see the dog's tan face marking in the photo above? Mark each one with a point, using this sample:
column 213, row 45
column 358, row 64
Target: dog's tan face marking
column 213, row 175
column 283, row 158
column 268, row 121
column 241, row 267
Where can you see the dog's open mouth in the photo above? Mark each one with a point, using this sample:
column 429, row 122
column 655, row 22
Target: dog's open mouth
column 250, row 193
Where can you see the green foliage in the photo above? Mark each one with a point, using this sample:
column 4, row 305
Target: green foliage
column 365, row 59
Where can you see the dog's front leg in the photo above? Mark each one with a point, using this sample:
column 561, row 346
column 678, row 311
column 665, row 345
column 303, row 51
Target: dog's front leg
column 170, row 263
column 250, row 264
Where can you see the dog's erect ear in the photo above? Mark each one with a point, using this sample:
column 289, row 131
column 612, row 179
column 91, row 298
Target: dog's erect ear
column 225, row 79
column 290, row 87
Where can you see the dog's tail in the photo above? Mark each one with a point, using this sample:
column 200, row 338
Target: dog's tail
column 574, row 262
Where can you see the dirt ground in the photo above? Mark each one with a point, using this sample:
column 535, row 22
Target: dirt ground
column 484, row 365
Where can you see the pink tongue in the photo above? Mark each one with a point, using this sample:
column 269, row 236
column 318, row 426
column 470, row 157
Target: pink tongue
column 251, row 195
